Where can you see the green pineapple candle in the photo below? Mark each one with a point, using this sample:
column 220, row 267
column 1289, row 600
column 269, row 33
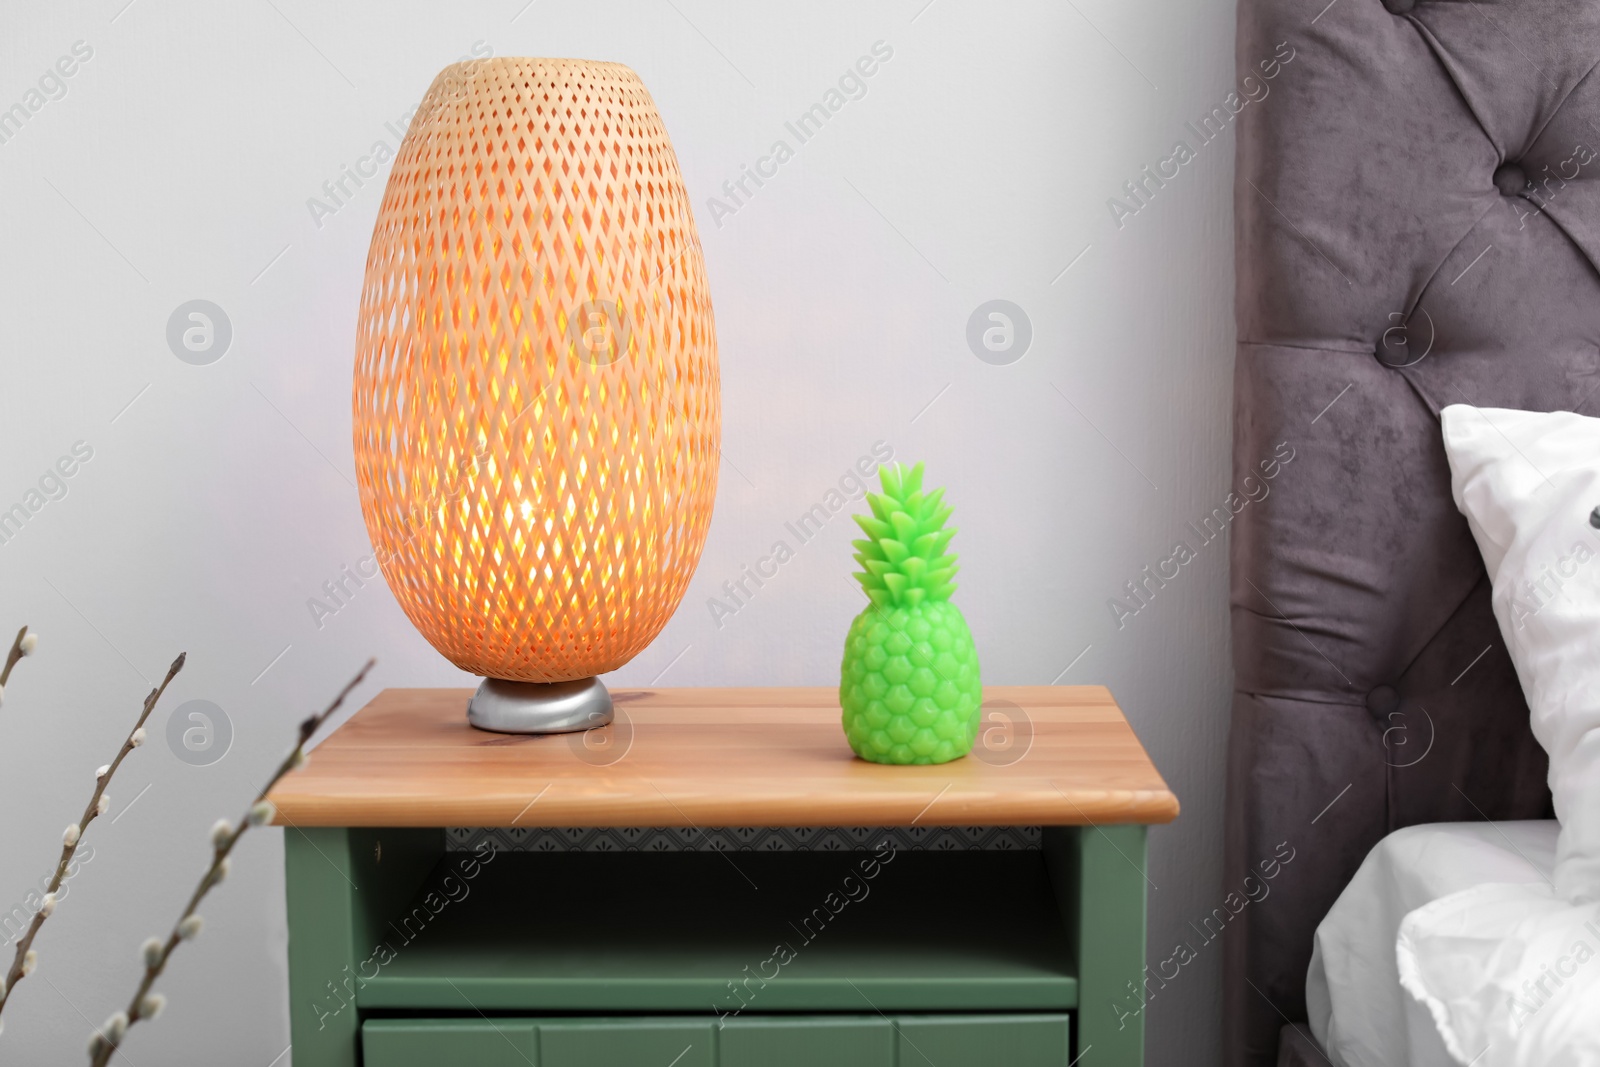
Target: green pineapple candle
column 909, row 683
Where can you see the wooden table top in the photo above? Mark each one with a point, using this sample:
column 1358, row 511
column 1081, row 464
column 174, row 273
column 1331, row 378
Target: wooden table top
column 723, row 757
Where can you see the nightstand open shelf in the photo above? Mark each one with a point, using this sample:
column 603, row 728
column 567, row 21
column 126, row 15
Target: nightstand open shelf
column 406, row 954
column 668, row 932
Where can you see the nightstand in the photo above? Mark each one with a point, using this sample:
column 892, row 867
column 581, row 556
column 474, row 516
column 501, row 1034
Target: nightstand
column 613, row 898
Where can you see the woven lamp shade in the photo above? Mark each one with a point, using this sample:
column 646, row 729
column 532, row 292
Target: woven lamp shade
column 537, row 413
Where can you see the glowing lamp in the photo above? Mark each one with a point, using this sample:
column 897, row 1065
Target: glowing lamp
column 537, row 413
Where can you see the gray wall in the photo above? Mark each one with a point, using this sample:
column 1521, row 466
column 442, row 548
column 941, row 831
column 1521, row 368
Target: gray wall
column 977, row 166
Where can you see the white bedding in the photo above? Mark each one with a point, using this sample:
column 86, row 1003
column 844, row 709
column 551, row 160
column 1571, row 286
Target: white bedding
column 1508, row 972
column 1507, row 969
column 1358, row 1012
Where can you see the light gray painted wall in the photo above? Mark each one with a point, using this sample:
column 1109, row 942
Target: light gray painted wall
column 978, row 165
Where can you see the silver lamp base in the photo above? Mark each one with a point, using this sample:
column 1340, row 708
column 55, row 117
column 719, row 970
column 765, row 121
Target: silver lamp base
column 539, row 707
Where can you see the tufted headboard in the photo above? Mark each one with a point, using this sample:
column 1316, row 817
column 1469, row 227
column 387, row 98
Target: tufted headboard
column 1417, row 214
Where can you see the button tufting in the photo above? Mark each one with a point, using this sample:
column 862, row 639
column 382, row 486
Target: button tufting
column 1394, row 349
column 1510, row 179
column 1399, row 7
column 1383, row 701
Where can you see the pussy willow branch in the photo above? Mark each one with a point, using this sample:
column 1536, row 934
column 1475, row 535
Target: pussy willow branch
column 16, row 653
column 22, row 964
column 104, row 1043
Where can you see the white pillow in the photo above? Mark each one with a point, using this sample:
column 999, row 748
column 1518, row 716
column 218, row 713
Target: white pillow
column 1527, row 483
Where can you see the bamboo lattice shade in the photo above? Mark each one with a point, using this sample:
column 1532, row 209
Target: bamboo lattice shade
column 537, row 411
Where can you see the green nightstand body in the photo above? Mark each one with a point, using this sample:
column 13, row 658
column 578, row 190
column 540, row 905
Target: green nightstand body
column 399, row 958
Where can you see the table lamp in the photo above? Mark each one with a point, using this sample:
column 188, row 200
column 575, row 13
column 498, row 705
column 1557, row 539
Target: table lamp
column 536, row 413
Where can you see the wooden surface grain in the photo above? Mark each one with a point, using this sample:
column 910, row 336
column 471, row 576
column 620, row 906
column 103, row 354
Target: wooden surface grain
column 1050, row 755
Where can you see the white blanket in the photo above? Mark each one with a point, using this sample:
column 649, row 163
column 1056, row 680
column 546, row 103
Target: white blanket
column 1359, row 1014
column 1511, row 974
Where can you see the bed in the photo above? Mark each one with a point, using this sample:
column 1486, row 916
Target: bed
column 1417, row 225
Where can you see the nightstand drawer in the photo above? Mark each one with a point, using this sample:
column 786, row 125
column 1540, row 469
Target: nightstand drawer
column 446, row 1042
column 984, row 1040
column 537, row 1042
column 504, row 1042
column 779, row 1041
column 838, row 1041
column 625, row 1043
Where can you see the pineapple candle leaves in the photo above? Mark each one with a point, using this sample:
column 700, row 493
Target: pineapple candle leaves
column 25, row 959
column 154, row 953
column 909, row 684
column 904, row 559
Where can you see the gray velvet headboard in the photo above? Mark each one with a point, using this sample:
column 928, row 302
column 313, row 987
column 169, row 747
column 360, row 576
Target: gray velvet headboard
column 1418, row 224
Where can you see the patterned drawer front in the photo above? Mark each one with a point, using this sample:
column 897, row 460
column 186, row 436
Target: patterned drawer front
column 806, row 1042
column 983, row 1040
column 745, row 838
column 449, row 1042
column 625, row 1043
